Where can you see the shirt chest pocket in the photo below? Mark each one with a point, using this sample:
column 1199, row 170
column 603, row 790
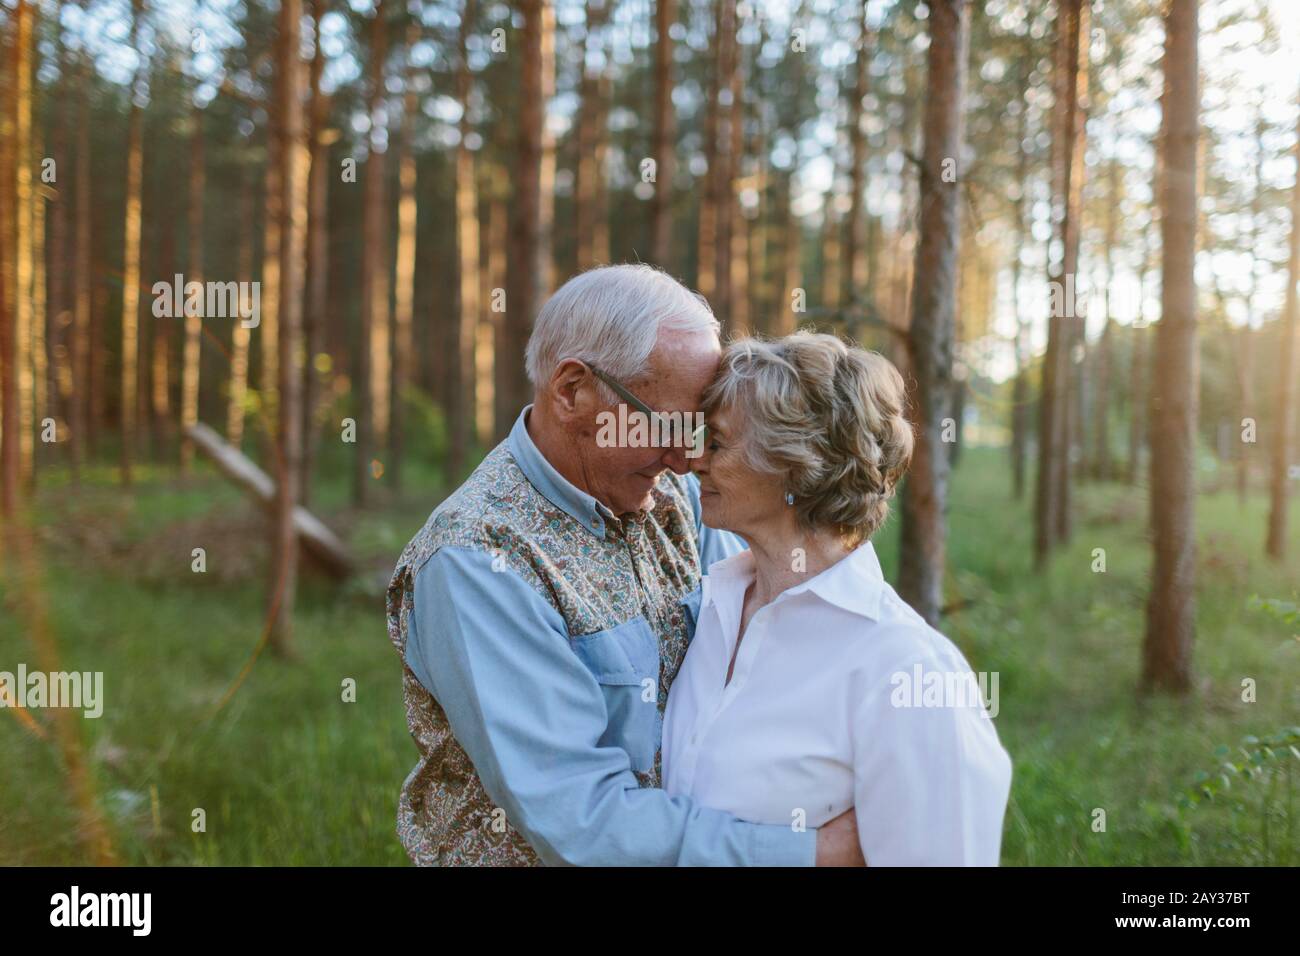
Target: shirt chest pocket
column 624, row 660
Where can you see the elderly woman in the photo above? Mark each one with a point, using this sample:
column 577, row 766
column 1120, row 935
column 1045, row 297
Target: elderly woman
column 797, row 697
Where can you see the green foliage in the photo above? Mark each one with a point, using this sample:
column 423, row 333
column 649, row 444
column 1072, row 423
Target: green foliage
column 1262, row 765
column 1268, row 764
column 1288, row 612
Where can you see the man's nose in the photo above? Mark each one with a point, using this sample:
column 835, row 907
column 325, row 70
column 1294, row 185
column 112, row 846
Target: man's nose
column 675, row 458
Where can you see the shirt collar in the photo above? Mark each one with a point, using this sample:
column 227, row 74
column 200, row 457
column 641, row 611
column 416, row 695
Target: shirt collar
column 854, row 583
column 555, row 488
column 726, row 581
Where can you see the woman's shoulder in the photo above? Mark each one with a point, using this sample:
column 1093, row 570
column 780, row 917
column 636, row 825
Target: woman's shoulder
column 901, row 637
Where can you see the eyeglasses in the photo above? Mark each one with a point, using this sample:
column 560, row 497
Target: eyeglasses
column 697, row 437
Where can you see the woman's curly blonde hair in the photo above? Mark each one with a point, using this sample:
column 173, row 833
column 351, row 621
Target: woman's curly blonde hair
column 827, row 416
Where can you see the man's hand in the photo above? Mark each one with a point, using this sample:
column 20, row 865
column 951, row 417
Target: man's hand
column 837, row 842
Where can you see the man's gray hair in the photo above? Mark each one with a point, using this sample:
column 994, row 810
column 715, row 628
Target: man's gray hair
column 611, row 317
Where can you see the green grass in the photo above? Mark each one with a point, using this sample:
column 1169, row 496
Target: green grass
column 288, row 773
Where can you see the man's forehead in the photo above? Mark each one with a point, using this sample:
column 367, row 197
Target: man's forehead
column 683, row 363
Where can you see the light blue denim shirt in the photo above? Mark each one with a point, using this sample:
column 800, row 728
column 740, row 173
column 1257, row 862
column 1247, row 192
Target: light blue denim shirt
column 555, row 741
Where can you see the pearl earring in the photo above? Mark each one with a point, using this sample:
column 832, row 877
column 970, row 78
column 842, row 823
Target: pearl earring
column 789, row 497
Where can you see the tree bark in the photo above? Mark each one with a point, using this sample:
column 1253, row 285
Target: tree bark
column 87, row 378
column 1020, row 385
column 711, row 197
column 131, row 258
column 1052, row 482
column 464, row 328
column 592, row 142
column 23, row 158
column 404, row 292
column 240, row 333
column 193, row 323
column 545, row 275
column 293, row 207
column 9, row 294
column 371, row 390
column 1074, row 341
column 733, row 227
column 724, row 170
column 39, row 341
column 61, row 256
column 525, row 211
column 492, row 266
column 317, row 280
column 1276, row 545
column 1167, row 652
column 932, row 331
column 854, row 269
column 661, row 220
column 268, row 334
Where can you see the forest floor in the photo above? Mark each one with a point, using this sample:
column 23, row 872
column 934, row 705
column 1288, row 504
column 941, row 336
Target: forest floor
column 287, row 772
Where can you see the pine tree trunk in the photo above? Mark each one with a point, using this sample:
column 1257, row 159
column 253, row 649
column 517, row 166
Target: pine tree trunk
column 853, row 271
column 158, row 257
column 86, row 402
column 9, row 427
column 544, row 279
column 728, row 160
column 1020, row 385
column 1286, row 387
column 1167, row 652
column 714, row 153
column 293, row 207
column 61, row 257
column 1101, row 463
column 733, row 226
column 23, row 158
column 241, row 333
column 371, row 392
column 40, row 355
column 525, row 209
column 492, row 275
column 1052, row 506
column 317, row 280
column 591, row 144
column 465, row 324
column 661, row 219
column 404, row 292
column 268, row 334
column 193, row 323
column 830, row 246
column 784, row 315
column 131, row 261
column 932, row 331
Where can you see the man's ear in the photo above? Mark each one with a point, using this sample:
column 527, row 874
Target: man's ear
column 569, row 390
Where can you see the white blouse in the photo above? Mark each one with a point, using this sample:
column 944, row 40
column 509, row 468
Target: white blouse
column 842, row 696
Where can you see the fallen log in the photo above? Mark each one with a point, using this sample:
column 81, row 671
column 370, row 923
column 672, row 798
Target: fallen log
column 318, row 541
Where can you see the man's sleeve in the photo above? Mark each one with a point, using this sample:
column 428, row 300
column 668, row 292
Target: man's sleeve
column 714, row 543
column 930, row 782
column 529, row 714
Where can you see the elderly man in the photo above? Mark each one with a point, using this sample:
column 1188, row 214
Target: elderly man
column 545, row 607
